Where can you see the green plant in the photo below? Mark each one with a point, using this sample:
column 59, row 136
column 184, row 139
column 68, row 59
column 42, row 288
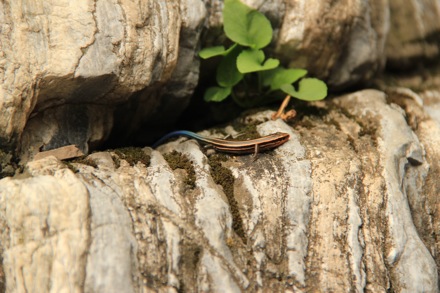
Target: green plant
column 244, row 72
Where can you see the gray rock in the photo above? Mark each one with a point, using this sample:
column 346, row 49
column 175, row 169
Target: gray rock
column 84, row 74
column 414, row 33
column 339, row 207
column 87, row 59
column 341, row 43
column 349, row 203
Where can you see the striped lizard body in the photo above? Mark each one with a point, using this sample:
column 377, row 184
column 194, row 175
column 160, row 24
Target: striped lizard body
column 250, row 146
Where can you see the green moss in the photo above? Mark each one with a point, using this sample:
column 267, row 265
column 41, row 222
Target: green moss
column 7, row 164
column 71, row 167
column 223, row 176
column 132, row 155
column 177, row 160
column 116, row 161
column 85, row 161
column 246, row 132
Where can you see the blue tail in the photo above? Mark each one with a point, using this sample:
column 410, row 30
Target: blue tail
column 173, row 134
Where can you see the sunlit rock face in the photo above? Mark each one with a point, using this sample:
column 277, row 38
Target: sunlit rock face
column 71, row 71
column 332, row 209
column 349, row 203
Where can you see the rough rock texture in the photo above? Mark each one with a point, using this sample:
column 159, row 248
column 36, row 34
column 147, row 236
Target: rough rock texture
column 414, row 33
column 65, row 66
column 98, row 71
column 341, row 41
column 350, row 203
column 347, row 42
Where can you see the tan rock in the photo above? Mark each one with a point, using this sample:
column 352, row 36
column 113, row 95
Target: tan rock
column 340, row 41
column 45, row 244
column 413, row 33
column 340, row 207
column 349, row 203
column 63, row 153
column 65, row 67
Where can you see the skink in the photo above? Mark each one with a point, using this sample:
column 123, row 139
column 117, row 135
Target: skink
column 254, row 146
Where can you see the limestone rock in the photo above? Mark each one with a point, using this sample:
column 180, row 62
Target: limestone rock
column 339, row 41
column 414, row 33
column 348, row 204
column 62, row 153
column 46, row 235
column 99, row 71
column 65, row 67
column 347, row 42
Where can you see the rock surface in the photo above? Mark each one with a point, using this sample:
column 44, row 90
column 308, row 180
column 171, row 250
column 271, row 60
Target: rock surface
column 65, row 67
column 348, row 204
column 414, row 32
column 341, row 43
column 96, row 71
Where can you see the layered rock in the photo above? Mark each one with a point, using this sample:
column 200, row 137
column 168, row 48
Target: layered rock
column 67, row 67
column 414, row 33
column 342, row 206
column 350, row 203
column 79, row 74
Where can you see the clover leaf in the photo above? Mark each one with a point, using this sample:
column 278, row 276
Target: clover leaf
column 245, row 73
column 212, row 52
column 309, row 89
column 217, row 94
column 227, row 72
column 278, row 77
column 215, row 51
column 253, row 60
column 246, row 26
